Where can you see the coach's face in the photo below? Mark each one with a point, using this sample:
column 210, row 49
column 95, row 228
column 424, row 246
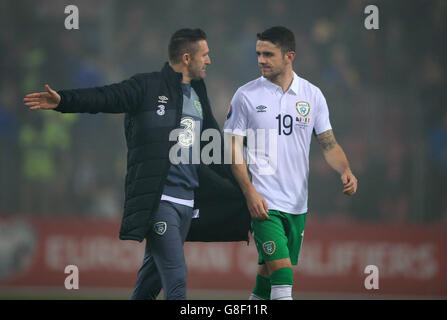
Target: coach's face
column 199, row 61
column 271, row 61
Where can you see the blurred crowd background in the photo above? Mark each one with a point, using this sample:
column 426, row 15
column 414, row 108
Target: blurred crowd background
column 385, row 90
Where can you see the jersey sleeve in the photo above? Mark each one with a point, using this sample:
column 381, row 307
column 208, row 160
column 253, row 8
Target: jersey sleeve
column 322, row 122
column 236, row 122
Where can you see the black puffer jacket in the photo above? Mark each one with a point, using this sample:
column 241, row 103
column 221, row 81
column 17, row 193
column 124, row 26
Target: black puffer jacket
column 223, row 213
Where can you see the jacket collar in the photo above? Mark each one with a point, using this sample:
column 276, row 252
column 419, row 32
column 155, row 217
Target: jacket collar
column 170, row 74
column 176, row 77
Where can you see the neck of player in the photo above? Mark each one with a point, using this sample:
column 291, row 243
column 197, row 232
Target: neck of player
column 284, row 80
column 183, row 70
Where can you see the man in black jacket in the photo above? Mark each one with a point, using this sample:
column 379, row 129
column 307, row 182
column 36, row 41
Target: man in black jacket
column 160, row 196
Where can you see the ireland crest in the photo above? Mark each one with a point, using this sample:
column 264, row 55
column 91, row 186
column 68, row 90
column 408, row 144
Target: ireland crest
column 269, row 247
column 303, row 108
column 198, row 107
column 160, row 228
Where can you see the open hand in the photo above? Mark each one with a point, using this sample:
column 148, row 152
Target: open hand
column 43, row 100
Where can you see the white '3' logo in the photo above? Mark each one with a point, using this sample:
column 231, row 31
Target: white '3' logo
column 161, row 110
column 186, row 137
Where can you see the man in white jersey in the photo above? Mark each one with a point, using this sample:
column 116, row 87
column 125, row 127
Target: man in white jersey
column 279, row 112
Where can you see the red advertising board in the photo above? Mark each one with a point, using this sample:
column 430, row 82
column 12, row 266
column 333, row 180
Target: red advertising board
column 410, row 260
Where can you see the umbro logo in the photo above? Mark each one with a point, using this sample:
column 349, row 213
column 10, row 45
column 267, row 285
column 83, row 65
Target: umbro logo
column 162, row 99
column 261, row 108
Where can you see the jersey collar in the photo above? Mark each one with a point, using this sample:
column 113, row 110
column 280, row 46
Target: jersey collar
column 295, row 84
column 294, row 87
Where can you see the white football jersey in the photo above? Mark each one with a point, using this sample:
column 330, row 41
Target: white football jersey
column 279, row 130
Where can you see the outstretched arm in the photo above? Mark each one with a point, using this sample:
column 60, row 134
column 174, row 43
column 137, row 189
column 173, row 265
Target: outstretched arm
column 122, row 97
column 336, row 158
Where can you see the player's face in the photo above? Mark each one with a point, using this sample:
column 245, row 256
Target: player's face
column 271, row 61
column 199, row 61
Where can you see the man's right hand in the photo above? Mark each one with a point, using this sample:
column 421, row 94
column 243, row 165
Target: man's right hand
column 256, row 205
column 43, row 100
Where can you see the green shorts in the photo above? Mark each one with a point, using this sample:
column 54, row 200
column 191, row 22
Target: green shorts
column 280, row 236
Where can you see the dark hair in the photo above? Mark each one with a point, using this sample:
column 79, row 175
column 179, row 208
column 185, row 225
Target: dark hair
column 280, row 36
column 184, row 41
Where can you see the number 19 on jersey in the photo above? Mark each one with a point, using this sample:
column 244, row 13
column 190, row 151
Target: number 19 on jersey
column 285, row 124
